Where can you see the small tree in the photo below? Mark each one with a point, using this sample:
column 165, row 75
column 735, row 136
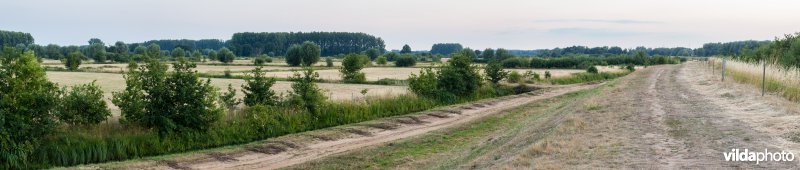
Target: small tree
column 592, row 70
column 381, row 60
column 306, row 54
column 305, row 90
column 406, row 49
column 229, row 98
column 424, row 84
column 73, row 60
column 257, row 89
column 225, row 55
column 372, row 53
column 630, row 67
column 494, row 72
column 83, row 105
column 197, row 56
column 405, row 61
column 178, row 52
column 547, row 75
column 514, row 77
column 328, row 62
column 459, row 77
column 351, row 68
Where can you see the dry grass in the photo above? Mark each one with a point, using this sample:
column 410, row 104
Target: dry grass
column 784, row 81
column 110, row 82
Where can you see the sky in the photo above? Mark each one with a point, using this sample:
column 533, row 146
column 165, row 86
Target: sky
column 479, row 24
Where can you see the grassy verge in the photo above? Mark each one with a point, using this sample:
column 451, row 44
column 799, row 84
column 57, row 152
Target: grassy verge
column 75, row 146
column 781, row 81
column 585, row 77
column 450, row 148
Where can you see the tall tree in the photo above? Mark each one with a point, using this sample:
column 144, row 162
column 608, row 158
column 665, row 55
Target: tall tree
column 306, row 54
column 178, row 53
column 96, row 50
column 225, row 55
column 406, row 49
column 446, row 48
column 154, row 51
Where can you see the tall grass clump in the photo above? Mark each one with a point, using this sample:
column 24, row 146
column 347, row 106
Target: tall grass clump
column 782, row 80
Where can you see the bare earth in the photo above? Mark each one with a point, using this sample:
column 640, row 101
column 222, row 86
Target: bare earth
column 293, row 149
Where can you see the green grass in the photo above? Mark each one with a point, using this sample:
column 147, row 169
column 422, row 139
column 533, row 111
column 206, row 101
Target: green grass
column 585, row 77
column 98, row 144
column 450, row 148
column 772, row 85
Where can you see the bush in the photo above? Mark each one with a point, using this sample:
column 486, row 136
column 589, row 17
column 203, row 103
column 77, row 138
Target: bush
column 306, row 54
column 262, row 60
column 73, row 61
column 405, row 61
column 494, row 72
column 83, row 105
column 225, row 55
column 328, row 62
column 425, row 84
column 592, row 69
column 228, row 99
column 391, row 56
column 514, row 77
column 305, row 90
column 547, row 75
column 27, row 100
column 630, row 67
column 515, row 62
column 459, row 77
column 351, row 68
column 169, row 102
column 257, row 89
column 381, row 60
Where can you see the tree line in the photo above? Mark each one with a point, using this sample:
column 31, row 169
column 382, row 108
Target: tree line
column 276, row 43
column 13, row 38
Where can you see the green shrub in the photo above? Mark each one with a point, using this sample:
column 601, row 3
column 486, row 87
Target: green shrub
column 169, row 102
column 305, row 90
column 328, row 62
column 228, row 99
column 73, row 61
column 592, row 69
column 83, row 105
column 586, row 77
column 547, row 75
column 257, row 89
column 494, row 72
column 351, row 68
column 305, row 54
column 514, row 77
column 262, row 60
column 405, row 61
column 27, row 100
column 381, row 60
column 424, row 84
column 630, row 67
column 225, row 55
column 459, row 77
column 515, row 62
column 227, row 73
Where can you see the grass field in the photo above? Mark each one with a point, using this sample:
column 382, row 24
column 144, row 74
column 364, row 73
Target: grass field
column 784, row 81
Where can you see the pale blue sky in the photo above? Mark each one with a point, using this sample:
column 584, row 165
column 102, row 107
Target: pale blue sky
column 513, row 24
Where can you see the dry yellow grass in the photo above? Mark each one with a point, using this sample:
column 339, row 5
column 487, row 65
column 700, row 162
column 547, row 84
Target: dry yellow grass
column 111, row 82
column 784, row 81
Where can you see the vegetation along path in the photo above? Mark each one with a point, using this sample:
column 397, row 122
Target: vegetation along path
column 661, row 117
column 299, row 148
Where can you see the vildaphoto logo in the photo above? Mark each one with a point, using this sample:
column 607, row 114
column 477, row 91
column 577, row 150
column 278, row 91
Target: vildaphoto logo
column 753, row 156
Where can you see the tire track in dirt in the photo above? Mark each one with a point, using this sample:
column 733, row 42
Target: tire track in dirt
column 273, row 155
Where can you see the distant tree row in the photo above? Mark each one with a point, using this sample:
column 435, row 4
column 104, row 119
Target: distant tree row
column 446, row 48
column 614, row 50
column 277, row 43
column 728, row 48
column 12, row 38
column 185, row 44
column 784, row 51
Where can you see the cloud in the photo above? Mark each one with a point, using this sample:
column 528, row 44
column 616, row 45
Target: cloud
column 593, row 32
column 620, row 21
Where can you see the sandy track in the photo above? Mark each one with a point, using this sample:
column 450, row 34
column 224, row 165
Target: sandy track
column 285, row 151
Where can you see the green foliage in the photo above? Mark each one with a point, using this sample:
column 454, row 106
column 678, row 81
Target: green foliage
column 96, row 51
column 459, row 77
column 225, row 55
column 83, row 105
column 381, row 60
column 305, row 90
column 586, row 77
column 494, row 72
column 154, row 51
column 592, row 69
column 228, row 99
column 329, row 62
column 174, row 102
column 405, row 61
column 406, row 49
column 446, row 48
column 515, row 62
column 331, row 43
column 261, row 60
column 73, row 61
column 27, row 99
column 514, row 77
column 630, row 67
column 227, row 73
column 213, row 55
column 424, row 84
column 372, row 53
column 178, row 52
column 391, row 56
column 351, row 68
column 11, row 38
column 547, row 75
column 257, row 89
column 306, row 54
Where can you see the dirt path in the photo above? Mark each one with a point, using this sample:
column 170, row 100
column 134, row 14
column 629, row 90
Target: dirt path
column 666, row 117
column 294, row 149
